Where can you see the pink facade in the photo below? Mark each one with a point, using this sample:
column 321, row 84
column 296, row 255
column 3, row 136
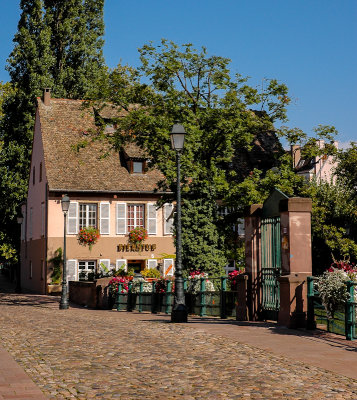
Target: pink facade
column 320, row 168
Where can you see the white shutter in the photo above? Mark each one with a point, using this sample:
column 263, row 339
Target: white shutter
column 151, row 223
column 151, row 263
column 104, row 218
column 168, row 267
column 104, row 266
column 71, row 270
column 72, row 218
column 168, row 219
column 121, row 218
column 120, row 263
column 241, row 230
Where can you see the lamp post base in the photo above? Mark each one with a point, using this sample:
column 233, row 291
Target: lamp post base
column 179, row 313
column 64, row 304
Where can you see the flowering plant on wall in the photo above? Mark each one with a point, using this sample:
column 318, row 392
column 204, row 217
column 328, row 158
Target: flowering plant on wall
column 114, row 285
column 88, row 236
column 332, row 285
column 194, row 282
column 138, row 235
column 233, row 277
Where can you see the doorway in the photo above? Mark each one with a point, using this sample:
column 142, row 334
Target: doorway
column 136, row 265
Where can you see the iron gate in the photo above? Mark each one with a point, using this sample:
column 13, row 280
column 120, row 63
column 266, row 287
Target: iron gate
column 270, row 266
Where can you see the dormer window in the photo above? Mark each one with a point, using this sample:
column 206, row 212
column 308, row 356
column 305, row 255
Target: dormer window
column 134, row 158
column 109, row 128
column 138, row 167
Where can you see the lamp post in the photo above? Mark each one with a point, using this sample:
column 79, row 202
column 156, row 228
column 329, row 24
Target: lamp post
column 179, row 310
column 20, row 220
column 64, row 297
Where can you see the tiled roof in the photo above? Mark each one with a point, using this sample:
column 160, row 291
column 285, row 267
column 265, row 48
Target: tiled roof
column 95, row 167
column 133, row 151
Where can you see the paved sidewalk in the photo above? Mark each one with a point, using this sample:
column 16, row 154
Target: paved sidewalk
column 14, row 382
column 87, row 354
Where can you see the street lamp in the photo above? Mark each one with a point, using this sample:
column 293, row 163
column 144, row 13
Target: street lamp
column 20, row 220
column 64, row 298
column 179, row 310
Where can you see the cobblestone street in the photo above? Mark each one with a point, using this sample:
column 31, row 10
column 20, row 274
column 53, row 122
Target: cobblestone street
column 85, row 354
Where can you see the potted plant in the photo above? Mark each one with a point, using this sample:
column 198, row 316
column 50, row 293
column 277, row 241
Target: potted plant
column 150, row 274
column 88, row 236
column 138, row 235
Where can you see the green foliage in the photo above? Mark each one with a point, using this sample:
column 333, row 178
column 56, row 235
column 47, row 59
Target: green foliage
column 56, row 261
column 58, row 45
column 151, row 273
column 347, row 165
column 185, row 84
column 334, row 209
column 332, row 290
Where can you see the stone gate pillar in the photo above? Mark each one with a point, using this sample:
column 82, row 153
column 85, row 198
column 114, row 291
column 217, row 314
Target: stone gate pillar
column 296, row 260
column 252, row 215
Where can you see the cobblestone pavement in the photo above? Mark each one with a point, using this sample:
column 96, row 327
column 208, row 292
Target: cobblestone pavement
column 87, row 354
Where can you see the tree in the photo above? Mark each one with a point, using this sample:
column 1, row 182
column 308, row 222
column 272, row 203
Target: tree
column 347, row 162
column 199, row 90
column 58, row 45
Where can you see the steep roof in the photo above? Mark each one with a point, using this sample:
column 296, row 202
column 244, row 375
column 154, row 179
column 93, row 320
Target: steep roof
column 95, row 167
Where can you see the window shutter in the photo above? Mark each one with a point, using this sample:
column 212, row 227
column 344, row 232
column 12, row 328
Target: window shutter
column 104, row 266
column 71, row 270
column 151, row 223
column 72, row 218
column 168, row 267
column 241, row 229
column 152, row 263
column 121, row 218
column 120, row 263
column 168, row 219
column 104, row 218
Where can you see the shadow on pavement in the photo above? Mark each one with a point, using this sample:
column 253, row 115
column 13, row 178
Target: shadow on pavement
column 272, row 328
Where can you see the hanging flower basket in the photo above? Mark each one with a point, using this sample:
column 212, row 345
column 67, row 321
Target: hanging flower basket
column 138, row 235
column 88, row 236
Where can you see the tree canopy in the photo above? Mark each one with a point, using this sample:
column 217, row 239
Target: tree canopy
column 58, row 45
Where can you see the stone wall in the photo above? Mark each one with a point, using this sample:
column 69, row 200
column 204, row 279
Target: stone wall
column 91, row 294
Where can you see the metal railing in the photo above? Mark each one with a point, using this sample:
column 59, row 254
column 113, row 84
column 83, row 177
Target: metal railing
column 344, row 319
column 221, row 302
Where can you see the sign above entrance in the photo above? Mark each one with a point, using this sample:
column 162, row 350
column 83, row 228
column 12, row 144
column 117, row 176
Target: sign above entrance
column 136, row 247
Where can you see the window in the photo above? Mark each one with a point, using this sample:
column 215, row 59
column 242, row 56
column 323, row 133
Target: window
column 87, row 215
column 86, row 267
column 33, row 176
column 30, row 272
column 138, row 167
column 135, row 215
column 40, row 171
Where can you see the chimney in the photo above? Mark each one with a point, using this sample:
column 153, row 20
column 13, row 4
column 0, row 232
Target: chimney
column 295, row 154
column 46, row 96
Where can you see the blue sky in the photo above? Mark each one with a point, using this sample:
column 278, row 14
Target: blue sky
column 310, row 45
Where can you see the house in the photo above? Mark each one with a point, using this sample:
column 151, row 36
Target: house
column 320, row 167
column 112, row 191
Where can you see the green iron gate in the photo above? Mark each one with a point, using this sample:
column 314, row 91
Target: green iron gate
column 270, row 267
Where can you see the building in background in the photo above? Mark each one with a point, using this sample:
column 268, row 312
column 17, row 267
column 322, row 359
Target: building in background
column 112, row 191
column 320, row 167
